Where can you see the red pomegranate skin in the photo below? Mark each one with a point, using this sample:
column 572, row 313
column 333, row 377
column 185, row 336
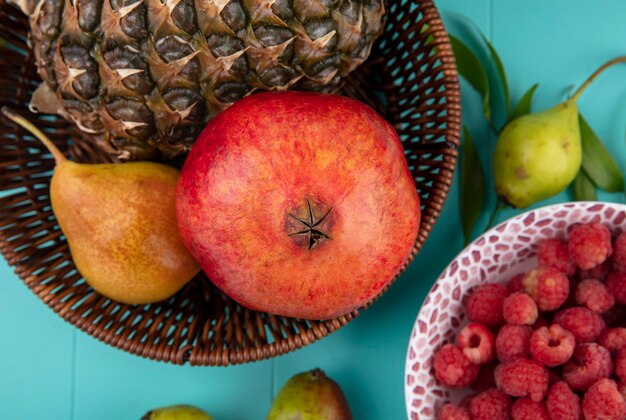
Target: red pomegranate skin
column 274, row 158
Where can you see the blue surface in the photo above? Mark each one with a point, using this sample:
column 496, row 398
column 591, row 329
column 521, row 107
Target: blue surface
column 49, row 370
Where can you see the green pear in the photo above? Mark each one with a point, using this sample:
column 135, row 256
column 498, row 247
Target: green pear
column 538, row 155
column 120, row 224
column 310, row 396
column 177, row 412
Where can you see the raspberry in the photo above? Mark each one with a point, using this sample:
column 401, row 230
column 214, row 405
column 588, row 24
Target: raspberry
column 520, row 309
column 599, row 272
column 616, row 283
column 613, row 339
column 594, row 295
column 527, row 409
column 586, row 325
column 522, row 377
column 492, row 404
column 485, row 304
column 589, row 245
column 547, row 286
column 553, row 253
column 477, row 343
column 552, row 346
column 603, row 401
column 619, row 252
column 452, row 412
column 562, row 403
column 620, row 365
column 621, row 387
column 513, row 341
column 515, row 284
column 589, row 363
column 452, row 367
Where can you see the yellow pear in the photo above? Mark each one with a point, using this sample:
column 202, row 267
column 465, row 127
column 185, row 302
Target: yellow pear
column 538, row 155
column 120, row 223
column 310, row 396
column 177, row 412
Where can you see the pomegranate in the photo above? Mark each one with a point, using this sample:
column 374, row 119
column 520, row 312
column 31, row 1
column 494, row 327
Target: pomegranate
column 298, row 204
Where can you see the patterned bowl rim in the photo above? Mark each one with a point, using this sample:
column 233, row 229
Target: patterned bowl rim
column 552, row 208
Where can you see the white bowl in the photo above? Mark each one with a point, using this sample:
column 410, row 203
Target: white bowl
column 495, row 256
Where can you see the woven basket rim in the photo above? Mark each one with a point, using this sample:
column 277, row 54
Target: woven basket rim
column 443, row 181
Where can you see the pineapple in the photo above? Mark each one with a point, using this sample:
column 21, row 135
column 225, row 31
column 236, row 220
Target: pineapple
column 144, row 76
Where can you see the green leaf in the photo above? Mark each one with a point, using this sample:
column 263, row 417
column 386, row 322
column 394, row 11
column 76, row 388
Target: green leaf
column 598, row 163
column 524, row 104
column 472, row 182
column 429, row 39
column 501, row 73
column 584, row 190
column 472, row 70
column 496, row 59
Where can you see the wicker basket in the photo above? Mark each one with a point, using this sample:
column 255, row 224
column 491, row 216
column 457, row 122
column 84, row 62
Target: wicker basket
column 414, row 69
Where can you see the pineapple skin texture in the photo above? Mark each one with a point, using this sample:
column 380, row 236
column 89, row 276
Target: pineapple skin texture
column 143, row 77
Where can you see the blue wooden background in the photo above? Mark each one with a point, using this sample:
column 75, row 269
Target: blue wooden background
column 49, row 370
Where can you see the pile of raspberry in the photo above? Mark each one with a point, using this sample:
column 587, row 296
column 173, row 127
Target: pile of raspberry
column 551, row 343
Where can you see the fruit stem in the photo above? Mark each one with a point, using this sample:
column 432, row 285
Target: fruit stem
column 317, row 374
column 27, row 125
column 595, row 74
